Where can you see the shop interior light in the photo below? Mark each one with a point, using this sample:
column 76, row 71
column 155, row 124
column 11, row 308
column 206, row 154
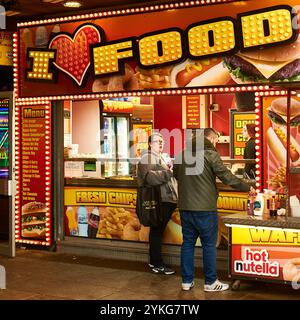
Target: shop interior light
column 72, row 4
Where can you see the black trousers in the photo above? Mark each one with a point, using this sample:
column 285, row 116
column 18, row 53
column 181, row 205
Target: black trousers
column 156, row 234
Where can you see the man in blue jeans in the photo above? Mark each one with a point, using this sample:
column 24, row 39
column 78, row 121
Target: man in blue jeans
column 196, row 169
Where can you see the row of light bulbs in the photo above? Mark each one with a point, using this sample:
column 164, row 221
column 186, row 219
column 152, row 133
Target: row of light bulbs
column 170, row 6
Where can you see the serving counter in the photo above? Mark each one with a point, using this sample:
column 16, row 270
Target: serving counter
column 264, row 248
column 113, row 200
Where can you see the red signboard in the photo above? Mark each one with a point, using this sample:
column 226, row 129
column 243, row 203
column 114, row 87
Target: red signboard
column 34, row 179
column 192, row 112
column 194, row 46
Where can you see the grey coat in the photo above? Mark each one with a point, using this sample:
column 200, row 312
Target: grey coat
column 199, row 192
column 153, row 167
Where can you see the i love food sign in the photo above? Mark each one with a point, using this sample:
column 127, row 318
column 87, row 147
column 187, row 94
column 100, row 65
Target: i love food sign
column 123, row 53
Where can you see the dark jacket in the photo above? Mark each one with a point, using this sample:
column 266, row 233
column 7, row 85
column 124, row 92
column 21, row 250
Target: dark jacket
column 199, row 192
column 153, row 167
column 249, row 153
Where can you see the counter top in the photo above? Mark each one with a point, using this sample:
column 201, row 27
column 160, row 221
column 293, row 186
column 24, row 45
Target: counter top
column 98, row 182
column 124, row 183
column 262, row 221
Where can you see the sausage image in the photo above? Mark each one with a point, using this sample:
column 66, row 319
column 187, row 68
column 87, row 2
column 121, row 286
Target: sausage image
column 277, row 142
column 206, row 72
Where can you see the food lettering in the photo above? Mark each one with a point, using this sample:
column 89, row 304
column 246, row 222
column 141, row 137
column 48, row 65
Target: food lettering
column 203, row 39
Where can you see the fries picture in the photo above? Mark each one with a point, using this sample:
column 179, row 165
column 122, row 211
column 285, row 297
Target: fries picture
column 279, row 178
column 113, row 221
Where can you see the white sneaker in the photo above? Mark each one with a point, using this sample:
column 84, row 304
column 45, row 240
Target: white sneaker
column 216, row 286
column 187, row 286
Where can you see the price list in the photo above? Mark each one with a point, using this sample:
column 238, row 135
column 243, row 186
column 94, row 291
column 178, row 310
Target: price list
column 192, row 112
column 35, row 150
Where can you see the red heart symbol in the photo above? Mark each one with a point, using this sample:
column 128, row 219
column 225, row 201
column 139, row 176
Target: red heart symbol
column 73, row 53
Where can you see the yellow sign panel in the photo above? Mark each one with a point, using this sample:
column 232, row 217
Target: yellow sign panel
column 6, row 49
column 260, row 236
column 232, row 202
column 100, row 197
column 228, row 202
column 239, row 120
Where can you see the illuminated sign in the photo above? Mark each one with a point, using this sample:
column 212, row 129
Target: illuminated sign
column 237, row 122
column 117, row 106
column 210, row 38
column 4, row 143
column 232, row 202
column 33, row 208
column 100, row 197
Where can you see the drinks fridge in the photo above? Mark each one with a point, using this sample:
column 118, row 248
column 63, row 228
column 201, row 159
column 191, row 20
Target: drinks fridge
column 115, row 145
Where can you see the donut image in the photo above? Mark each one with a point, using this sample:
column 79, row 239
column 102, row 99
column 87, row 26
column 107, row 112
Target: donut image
column 131, row 230
column 144, row 233
column 291, row 270
column 100, row 85
column 173, row 232
column 154, row 78
column 125, row 82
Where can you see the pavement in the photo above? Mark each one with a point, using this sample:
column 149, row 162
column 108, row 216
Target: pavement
column 44, row 275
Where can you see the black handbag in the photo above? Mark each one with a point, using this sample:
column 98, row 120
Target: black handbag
column 148, row 205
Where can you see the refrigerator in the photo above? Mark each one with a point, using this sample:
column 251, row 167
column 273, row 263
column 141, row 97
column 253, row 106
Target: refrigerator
column 115, row 143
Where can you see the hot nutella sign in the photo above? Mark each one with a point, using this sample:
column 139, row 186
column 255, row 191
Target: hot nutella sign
column 256, row 262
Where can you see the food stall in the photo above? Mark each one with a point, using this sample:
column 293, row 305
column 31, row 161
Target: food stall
column 264, row 240
column 89, row 92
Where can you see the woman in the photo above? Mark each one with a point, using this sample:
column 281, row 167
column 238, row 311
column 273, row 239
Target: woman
column 249, row 151
column 155, row 170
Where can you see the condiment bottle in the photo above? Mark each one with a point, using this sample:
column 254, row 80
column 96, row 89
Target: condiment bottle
column 273, row 210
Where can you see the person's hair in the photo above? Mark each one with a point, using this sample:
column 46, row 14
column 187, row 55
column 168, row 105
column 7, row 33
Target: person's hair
column 250, row 127
column 210, row 132
column 151, row 138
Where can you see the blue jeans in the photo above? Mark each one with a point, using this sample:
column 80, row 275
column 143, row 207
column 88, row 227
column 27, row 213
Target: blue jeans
column 203, row 224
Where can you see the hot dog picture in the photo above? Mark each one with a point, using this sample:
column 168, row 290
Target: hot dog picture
column 277, row 142
column 208, row 72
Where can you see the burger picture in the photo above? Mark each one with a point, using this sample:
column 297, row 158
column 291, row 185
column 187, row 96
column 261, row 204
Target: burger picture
column 276, row 135
column 277, row 112
column 34, row 220
column 272, row 64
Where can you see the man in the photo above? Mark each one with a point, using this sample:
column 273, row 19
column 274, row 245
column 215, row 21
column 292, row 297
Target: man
column 197, row 195
column 153, row 170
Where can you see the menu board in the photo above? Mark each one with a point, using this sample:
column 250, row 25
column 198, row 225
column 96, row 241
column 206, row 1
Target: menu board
column 4, row 143
column 192, row 111
column 238, row 121
column 35, row 147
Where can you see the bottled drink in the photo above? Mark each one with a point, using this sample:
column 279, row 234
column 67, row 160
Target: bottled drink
column 82, row 221
column 72, row 221
column 250, row 207
column 273, row 210
column 93, row 223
